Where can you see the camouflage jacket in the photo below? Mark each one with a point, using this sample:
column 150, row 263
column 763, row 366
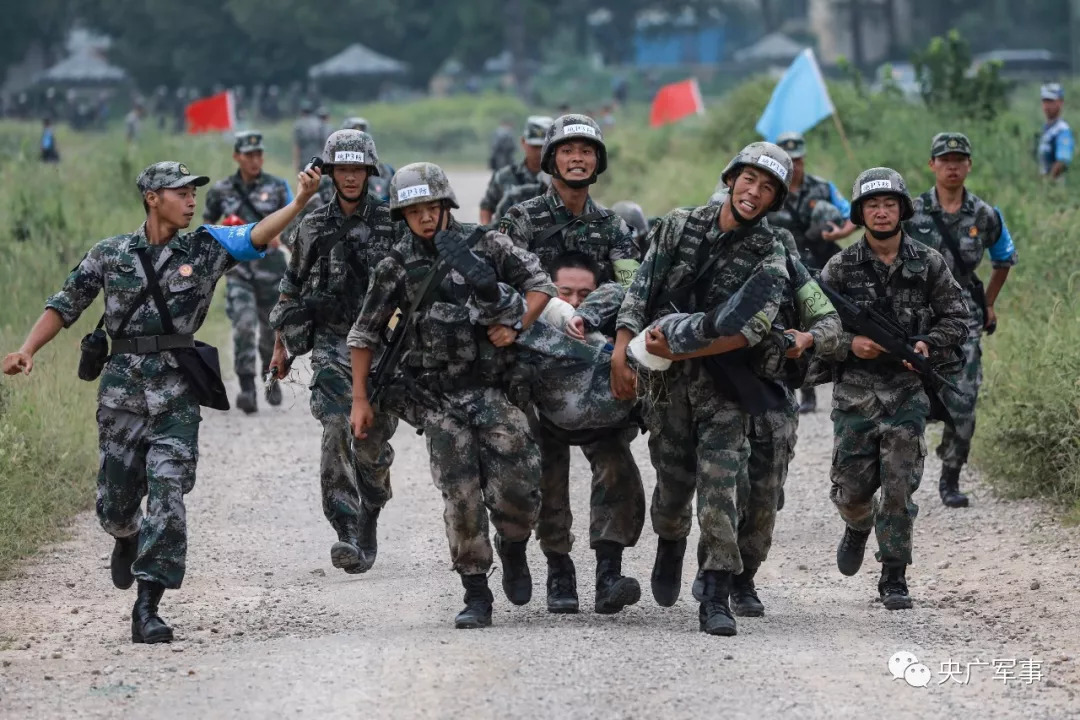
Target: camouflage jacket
column 265, row 195
column 680, row 245
column 600, row 310
column 795, row 217
column 607, row 240
column 188, row 268
column 502, row 181
column 519, row 194
column 326, row 285
column 978, row 228
column 445, row 339
column 503, row 148
column 919, row 293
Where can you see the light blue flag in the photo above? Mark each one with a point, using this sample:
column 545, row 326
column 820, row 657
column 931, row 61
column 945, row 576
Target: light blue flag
column 799, row 102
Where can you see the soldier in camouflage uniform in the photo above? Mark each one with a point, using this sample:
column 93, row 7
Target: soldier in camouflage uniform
column 880, row 407
column 148, row 415
column 698, row 436
column 335, row 249
column 816, row 244
column 962, row 227
column 524, row 173
column 452, row 380
column 251, row 287
column 378, row 185
column 520, row 193
column 565, row 219
column 634, row 217
column 502, row 146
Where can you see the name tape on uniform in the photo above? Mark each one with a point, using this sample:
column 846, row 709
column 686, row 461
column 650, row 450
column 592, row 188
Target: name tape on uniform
column 413, row 192
column 874, row 185
column 774, row 165
column 579, row 129
column 348, row 156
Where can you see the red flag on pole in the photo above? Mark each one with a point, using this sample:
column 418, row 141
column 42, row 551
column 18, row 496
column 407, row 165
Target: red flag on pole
column 210, row 114
column 675, row 101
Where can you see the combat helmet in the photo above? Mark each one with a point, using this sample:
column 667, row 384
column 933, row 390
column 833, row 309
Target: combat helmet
column 764, row 156
column 536, row 128
column 793, row 143
column 419, row 183
column 356, row 123
column 632, row 215
column 350, row 147
column 822, row 214
column 571, row 127
column 880, row 181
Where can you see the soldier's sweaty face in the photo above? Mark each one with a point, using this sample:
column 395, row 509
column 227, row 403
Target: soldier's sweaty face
column 175, row 206
column 423, row 218
column 349, row 180
column 881, row 213
column 576, row 159
column 753, row 192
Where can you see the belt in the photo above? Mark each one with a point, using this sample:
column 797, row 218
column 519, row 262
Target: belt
column 151, row 344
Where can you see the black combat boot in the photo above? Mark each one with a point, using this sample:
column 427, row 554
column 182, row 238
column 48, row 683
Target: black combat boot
column 248, row 399
column 345, row 554
column 949, row 488
column 892, row 587
column 273, row 393
column 516, row 580
column 667, row 571
column 714, row 615
column 124, row 553
column 613, row 590
column 809, row 400
column 146, row 626
column 453, row 248
column 561, row 584
column 367, row 535
column 849, row 553
column 744, row 598
column 478, row 599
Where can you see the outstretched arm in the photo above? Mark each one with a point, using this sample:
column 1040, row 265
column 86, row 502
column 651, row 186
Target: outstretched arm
column 275, row 223
column 45, row 329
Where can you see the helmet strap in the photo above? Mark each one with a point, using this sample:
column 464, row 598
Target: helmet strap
column 358, row 198
column 883, row 234
column 575, row 184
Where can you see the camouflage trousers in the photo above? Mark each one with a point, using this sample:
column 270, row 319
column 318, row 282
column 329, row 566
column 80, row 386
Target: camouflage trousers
column 617, row 499
column 152, row 457
column 879, row 445
column 350, row 470
column 484, row 460
column 698, row 443
column 251, row 291
column 956, row 439
column 772, row 446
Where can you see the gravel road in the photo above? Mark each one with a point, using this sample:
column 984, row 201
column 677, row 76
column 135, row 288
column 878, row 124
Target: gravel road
column 267, row 628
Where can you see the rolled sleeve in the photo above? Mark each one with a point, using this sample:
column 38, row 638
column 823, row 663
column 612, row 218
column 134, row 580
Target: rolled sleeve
column 79, row 290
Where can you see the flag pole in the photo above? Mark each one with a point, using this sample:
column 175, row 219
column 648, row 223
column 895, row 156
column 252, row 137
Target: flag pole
column 843, row 136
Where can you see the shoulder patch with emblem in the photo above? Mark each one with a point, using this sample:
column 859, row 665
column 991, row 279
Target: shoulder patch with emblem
column 974, row 231
column 185, row 270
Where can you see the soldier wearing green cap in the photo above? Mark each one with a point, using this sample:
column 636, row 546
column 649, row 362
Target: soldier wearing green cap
column 507, row 177
column 880, row 406
column 963, row 228
column 245, row 197
column 815, row 243
column 148, row 410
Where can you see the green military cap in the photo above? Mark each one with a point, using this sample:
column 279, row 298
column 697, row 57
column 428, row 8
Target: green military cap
column 793, row 144
column 950, row 142
column 168, row 175
column 248, row 141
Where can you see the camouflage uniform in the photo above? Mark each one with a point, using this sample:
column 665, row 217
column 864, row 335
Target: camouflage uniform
column 978, row 228
column 148, row 419
column 309, row 134
column 698, row 437
column 879, row 407
column 509, row 177
column 520, row 193
column 502, row 148
column 323, row 291
column 251, row 288
column 617, row 501
column 483, row 456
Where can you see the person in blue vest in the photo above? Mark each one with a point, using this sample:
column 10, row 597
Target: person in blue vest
column 1055, row 151
column 49, row 153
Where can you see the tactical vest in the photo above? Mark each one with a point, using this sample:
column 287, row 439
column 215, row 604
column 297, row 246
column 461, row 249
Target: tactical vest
column 589, row 238
column 794, row 217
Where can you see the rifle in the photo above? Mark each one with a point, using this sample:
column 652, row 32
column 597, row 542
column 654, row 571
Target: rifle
column 885, row 331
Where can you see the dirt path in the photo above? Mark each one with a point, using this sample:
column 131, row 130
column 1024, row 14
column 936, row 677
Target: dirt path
column 266, row 627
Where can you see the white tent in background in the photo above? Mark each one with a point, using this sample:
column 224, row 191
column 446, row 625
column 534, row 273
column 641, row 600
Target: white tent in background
column 774, row 47
column 357, row 60
column 82, row 67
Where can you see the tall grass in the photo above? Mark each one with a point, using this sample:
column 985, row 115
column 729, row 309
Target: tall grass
column 1028, row 438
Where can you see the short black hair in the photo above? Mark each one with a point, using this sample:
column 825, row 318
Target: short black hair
column 574, row 259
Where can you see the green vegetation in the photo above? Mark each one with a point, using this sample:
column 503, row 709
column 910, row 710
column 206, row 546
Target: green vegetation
column 1028, row 441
